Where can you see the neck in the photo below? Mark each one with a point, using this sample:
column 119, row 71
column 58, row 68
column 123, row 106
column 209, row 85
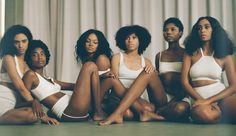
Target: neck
column 21, row 57
column 174, row 46
column 39, row 71
column 207, row 48
column 132, row 53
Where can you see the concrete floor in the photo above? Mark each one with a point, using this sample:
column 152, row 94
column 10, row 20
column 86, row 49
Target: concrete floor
column 126, row 129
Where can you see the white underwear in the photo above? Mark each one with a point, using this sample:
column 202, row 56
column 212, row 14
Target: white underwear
column 7, row 99
column 210, row 90
column 60, row 106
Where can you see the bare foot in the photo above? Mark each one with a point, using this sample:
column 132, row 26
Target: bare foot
column 112, row 119
column 128, row 115
column 99, row 116
column 148, row 116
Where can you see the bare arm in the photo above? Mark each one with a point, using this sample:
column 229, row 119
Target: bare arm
column 65, row 85
column 185, row 78
column 157, row 61
column 115, row 62
column 149, row 68
column 30, row 82
column 10, row 67
column 231, row 77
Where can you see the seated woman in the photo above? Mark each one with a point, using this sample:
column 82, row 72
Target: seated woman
column 136, row 74
column 13, row 93
column 209, row 53
column 66, row 107
column 169, row 66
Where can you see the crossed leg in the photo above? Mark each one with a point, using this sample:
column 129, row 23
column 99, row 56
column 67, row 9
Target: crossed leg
column 133, row 93
column 18, row 116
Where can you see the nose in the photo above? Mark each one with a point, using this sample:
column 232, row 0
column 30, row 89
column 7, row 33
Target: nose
column 20, row 44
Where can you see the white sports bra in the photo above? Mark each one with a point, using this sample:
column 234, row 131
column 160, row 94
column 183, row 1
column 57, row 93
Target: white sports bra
column 205, row 68
column 45, row 88
column 126, row 73
column 165, row 67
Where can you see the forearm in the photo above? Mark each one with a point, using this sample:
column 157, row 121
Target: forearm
column 24, row 92
column 193, row 94
column 223, row 94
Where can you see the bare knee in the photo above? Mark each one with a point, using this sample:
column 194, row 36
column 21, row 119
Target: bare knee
column 91, row 66
column 28, row 116
column 181, row 109
column 128, row 115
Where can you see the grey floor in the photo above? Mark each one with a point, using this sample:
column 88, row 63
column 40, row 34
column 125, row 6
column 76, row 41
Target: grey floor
column 126, row 129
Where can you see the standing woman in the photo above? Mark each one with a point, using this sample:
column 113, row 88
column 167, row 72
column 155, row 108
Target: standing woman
column 169, row 65
column 13, row 46
column 209, row 53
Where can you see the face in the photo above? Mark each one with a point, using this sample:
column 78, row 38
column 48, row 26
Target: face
column 132, row 42
column 21, row 43
column 205, row 30
column 212, row 110
column 91, row 44
column 171, row 33
column 38, row 58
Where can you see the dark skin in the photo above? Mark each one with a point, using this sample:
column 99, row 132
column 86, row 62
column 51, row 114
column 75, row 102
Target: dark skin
column 176, row 109
column 86, row 85
column 225, row 97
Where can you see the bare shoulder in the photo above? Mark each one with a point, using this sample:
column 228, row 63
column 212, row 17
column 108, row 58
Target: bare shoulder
column 7, row 58
column 116, row 57
column 228, row 60
column 30, row 74
column 147, row 61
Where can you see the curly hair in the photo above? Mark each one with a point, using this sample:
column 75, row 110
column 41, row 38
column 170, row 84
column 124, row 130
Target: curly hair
column 175, row 21
column 103, row 46
column 142, row 33
column 220, row 42
column 7, row 41
column 33, row 45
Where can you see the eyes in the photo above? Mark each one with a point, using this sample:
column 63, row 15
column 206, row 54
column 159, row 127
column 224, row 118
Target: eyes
column 22, row 41
column 36, row 54
column 170, row 29
column 207, row 27
column 132, row 36
column 91, row 42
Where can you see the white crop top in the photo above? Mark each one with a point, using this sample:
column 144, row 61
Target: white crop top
column 205, row 68
column 126, row 75
column 165, row 67
column 45, row 88
column 4, row 77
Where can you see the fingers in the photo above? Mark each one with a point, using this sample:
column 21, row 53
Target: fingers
column 49, row 121
column 149, row 69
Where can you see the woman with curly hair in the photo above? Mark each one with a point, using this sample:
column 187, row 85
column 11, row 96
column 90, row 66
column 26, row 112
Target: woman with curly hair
column 136, row 74
column 13, row 93
column 169, row 65
column 209, row 53
column 65, row 107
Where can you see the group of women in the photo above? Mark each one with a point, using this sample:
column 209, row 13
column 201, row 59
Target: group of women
column 185, row 84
